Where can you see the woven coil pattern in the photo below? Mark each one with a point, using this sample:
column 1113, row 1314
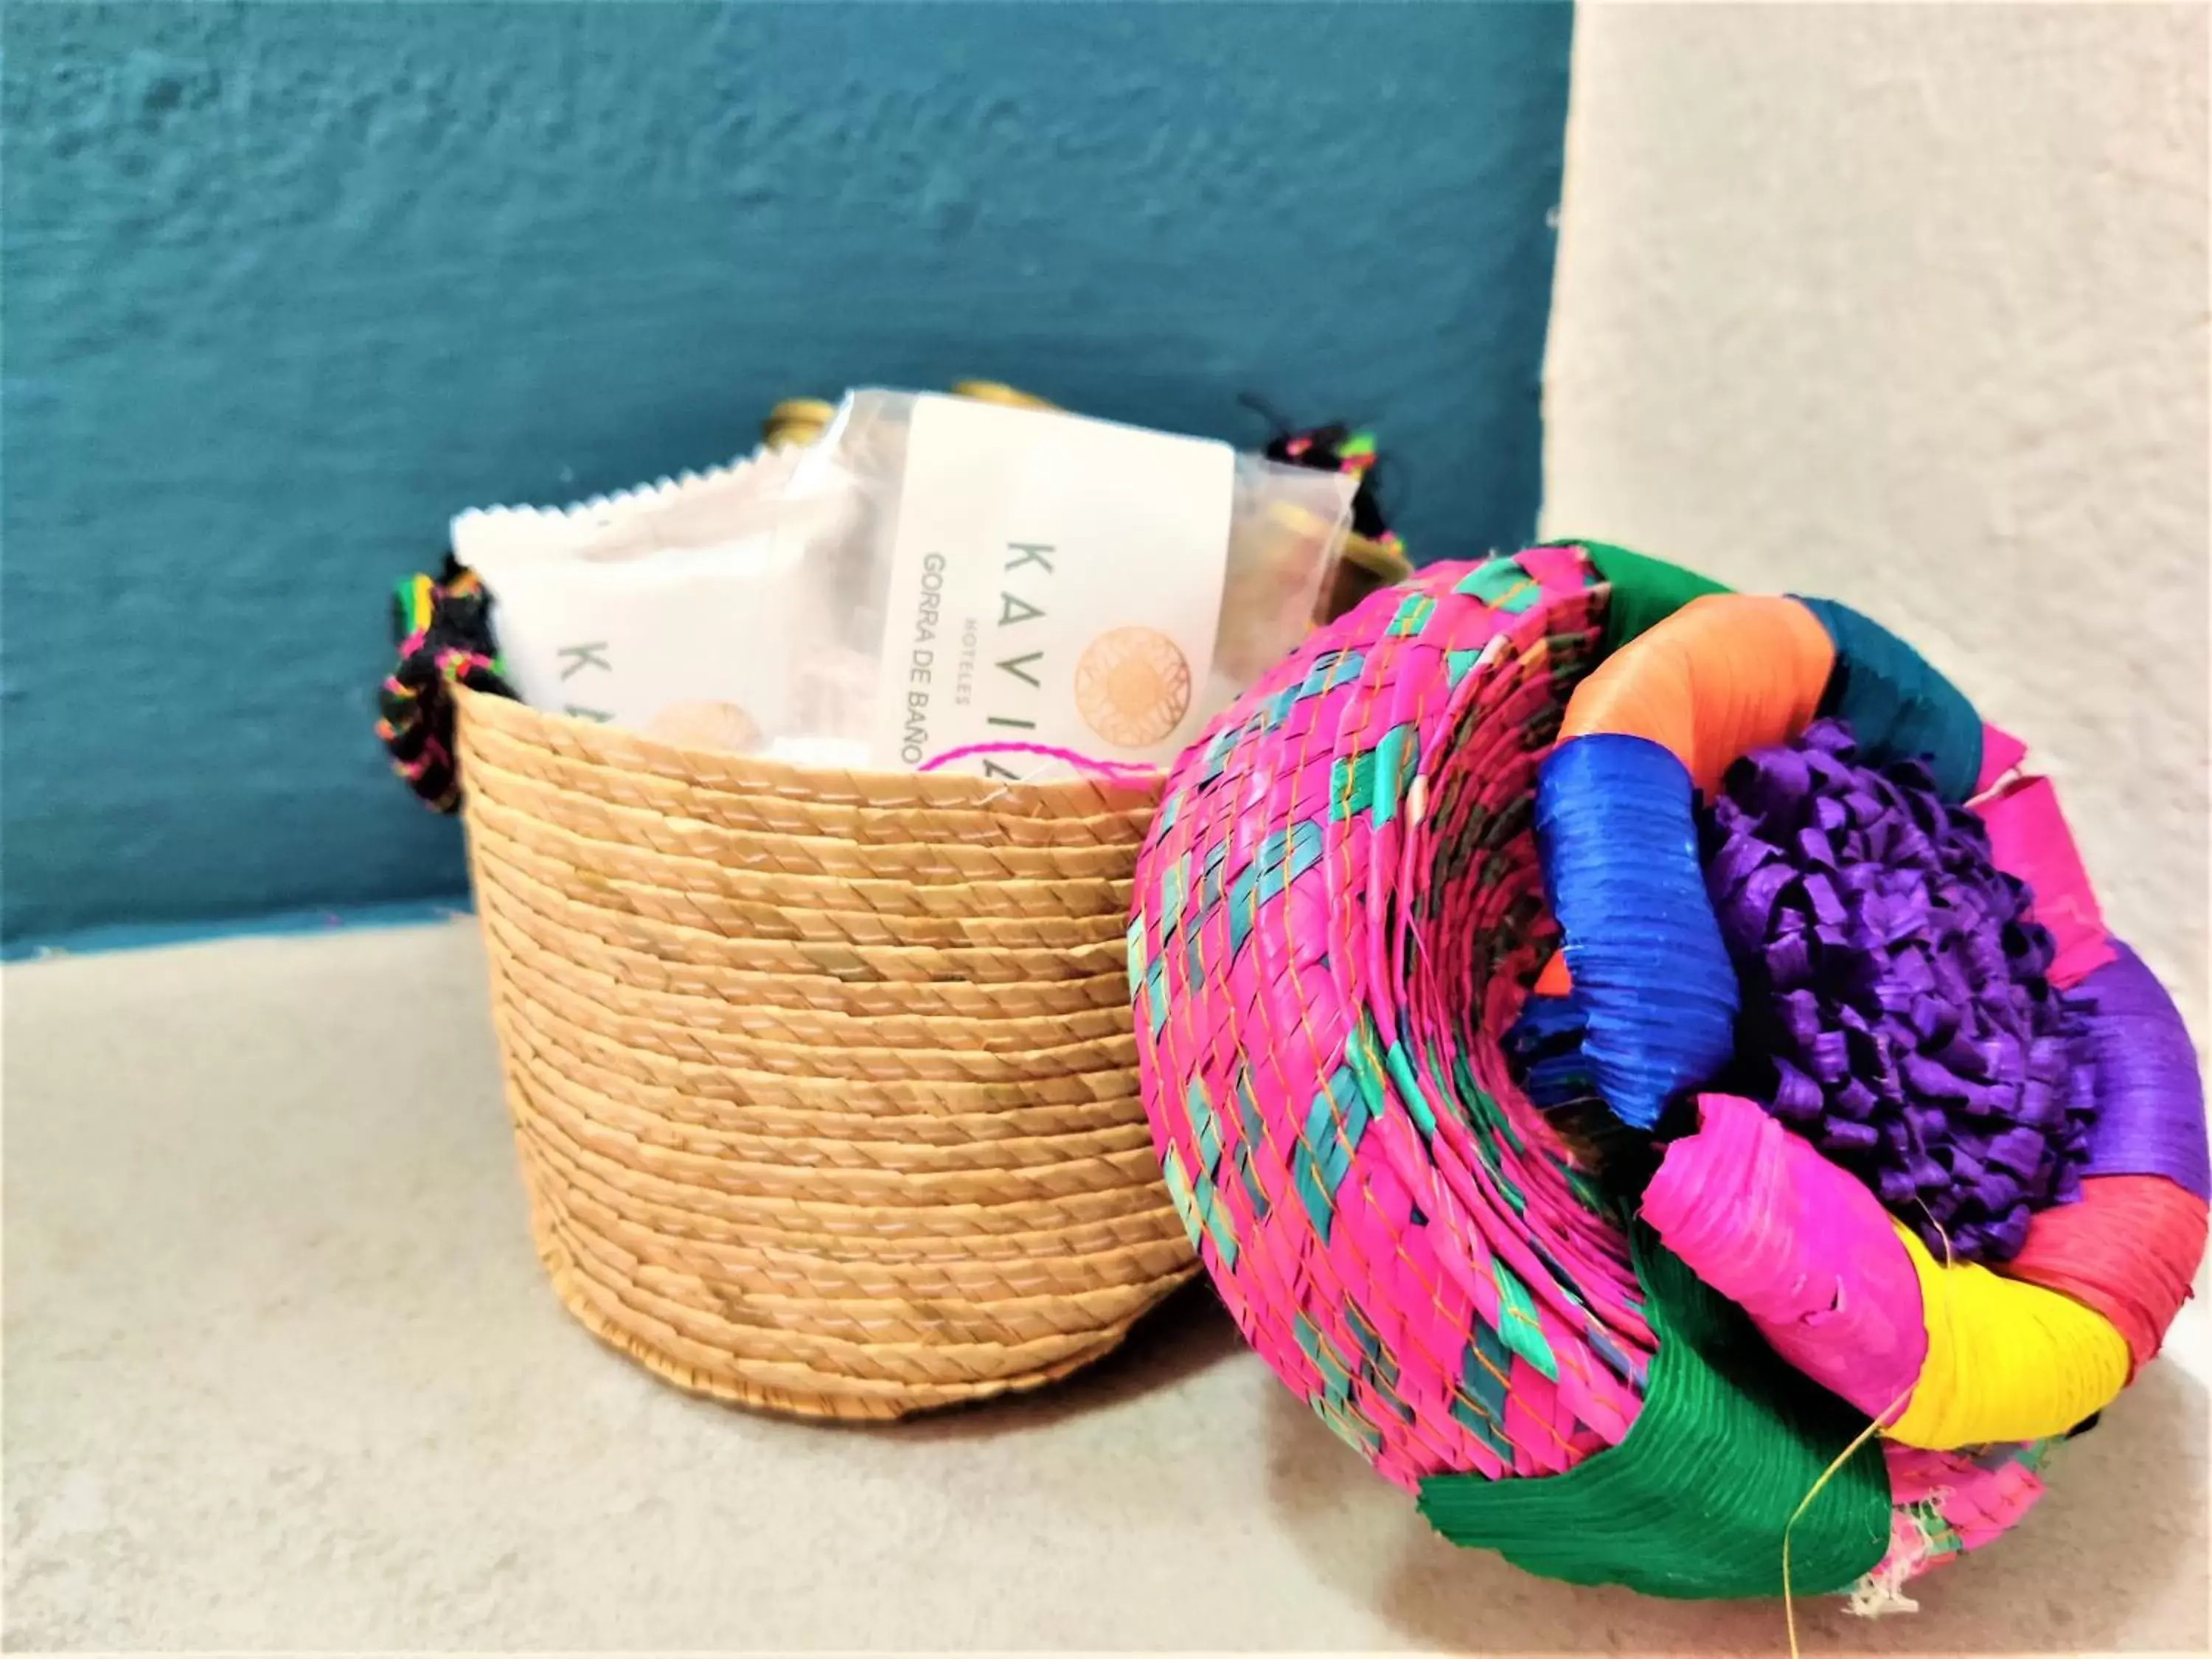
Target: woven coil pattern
column 1566, row 997
column 822, row 1084
column 1321, row 952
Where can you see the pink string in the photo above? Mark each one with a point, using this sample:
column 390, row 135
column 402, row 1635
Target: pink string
column 1080, row 762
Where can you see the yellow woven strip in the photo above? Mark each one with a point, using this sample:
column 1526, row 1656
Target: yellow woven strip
column 2006, row 1360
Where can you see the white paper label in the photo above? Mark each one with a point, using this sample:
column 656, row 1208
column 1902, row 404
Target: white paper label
column 1055, row 585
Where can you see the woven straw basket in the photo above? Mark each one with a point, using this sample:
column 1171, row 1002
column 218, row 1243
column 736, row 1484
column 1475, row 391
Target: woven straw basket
column 823, row 1084
column 1484, row 956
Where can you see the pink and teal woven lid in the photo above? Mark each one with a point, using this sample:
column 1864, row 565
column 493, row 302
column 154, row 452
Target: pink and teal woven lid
column 1643, row 1063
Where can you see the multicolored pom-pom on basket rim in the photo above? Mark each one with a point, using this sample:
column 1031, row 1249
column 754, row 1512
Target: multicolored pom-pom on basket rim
column 1646, row 1064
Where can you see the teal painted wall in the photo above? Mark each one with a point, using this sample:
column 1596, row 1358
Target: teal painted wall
column 287, row 285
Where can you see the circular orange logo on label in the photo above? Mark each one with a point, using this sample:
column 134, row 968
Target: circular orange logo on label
column 1133, row 687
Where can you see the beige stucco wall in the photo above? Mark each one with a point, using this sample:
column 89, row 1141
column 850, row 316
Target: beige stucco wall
column 1907, row 305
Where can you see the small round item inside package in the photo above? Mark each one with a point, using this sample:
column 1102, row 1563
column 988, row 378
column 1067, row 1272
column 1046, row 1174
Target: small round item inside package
column 1646, row 1064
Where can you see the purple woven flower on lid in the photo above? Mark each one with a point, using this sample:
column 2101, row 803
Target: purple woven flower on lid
column 1895, row 1004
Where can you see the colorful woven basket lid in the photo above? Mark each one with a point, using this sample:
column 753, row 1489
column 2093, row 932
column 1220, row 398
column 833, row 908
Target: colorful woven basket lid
column 1646, row 1064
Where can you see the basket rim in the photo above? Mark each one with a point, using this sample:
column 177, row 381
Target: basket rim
column 581, row 775
column 869, row 788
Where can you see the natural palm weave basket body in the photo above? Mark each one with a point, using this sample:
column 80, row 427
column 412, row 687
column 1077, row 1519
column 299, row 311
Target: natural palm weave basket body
column 823, row 1084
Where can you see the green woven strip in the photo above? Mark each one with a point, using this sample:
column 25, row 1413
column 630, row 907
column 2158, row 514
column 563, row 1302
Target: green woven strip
column 1517, row 1321
column 1206, row 1133
column 1645, row 590
column 1335, row 1375
column 1247, row 1109
column 1502, row 584
column 1395, row 758
column 1283, row 857
column 1409, row 1086
column 1363, row 1333
column 1174, row 887
column 1414, row 613
column 1361, row 1052
column 1254, row 1193
column 1179, row 1193
column 1322, row 1156
column 1351, row 784
column 1213, row 1215
column 1349, row 1427
column 1695, row 1502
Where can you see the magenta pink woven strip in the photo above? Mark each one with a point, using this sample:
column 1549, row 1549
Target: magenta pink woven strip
column 1337, row 908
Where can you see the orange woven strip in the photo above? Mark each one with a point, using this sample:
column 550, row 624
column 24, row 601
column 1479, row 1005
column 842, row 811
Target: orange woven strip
column 1554, row 981
column 1726, row 674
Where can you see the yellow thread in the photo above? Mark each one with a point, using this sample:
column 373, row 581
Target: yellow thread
column 1789, row 1600
column 2005, row 1361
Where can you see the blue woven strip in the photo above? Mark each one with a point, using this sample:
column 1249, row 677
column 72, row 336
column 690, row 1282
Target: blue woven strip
column 1323, row 1157
column 1248, row 1110
column 1545, row 1046
column 1615, row 831
column 1175, row 887
column 1482, row 1378
column 1204, row 1131
column 1261, row 1209
column 1253, row 1134
column 1278, row 707
column 1283, row 857
column 1616, row 1360
column 1213, row 759
column 1209, row 876
column 1330, row 668
column 1335, row 1375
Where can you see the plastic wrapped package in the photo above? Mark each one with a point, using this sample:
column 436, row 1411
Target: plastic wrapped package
column 691, row 609
column 931, row 581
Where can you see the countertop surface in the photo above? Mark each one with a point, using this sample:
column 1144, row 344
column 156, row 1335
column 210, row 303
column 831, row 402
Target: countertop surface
column 282, row 1373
